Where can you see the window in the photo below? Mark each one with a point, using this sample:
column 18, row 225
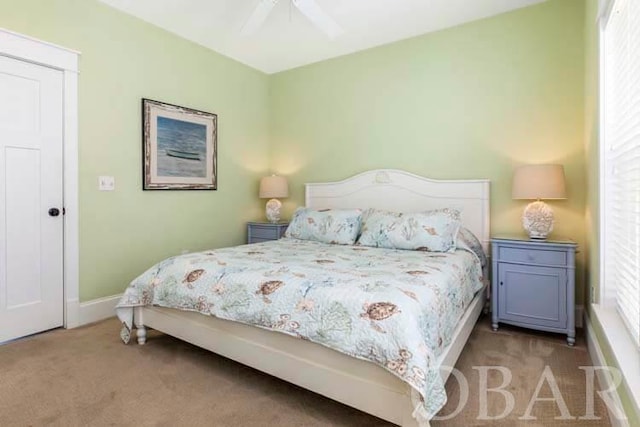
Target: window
column 621, row 162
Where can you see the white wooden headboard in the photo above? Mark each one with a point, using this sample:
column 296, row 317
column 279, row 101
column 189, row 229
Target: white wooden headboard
column 400, row 191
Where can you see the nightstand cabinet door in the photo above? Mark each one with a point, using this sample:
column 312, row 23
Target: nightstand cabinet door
column 533, row 295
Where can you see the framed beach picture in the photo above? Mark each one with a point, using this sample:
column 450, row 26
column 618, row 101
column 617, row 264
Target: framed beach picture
column 179, row 147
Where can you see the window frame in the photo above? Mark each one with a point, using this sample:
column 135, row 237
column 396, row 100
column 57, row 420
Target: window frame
column 607, row 294
column 624, row 351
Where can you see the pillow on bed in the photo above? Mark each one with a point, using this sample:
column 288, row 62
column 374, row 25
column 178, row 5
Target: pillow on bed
column 467, row 239
column 433, row 231
column 337, row 226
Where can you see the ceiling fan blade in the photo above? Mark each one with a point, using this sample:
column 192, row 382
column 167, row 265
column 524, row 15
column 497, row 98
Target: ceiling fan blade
column 257, row 18
column 318, row 17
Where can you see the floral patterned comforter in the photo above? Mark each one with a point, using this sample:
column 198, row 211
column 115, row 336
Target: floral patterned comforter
column 395, row 308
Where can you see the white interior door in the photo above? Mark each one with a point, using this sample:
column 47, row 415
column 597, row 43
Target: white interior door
column 31, row 237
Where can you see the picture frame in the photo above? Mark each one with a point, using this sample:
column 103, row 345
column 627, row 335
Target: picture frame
column 179, row 147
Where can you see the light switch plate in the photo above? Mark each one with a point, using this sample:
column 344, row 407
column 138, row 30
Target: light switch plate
column 106, row 183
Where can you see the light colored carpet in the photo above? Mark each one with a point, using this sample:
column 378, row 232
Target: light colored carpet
column 87, row 377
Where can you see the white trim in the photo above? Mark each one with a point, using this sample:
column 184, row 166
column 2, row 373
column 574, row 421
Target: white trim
column 625, row 354
column 71, row 216
column 28, row 49
column 37, row 51
column 601, row 155
column 97, row 309
column 604, row 10
column 597, row 358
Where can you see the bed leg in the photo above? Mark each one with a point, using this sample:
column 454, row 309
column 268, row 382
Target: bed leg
column 141, row 331
column 407, row 415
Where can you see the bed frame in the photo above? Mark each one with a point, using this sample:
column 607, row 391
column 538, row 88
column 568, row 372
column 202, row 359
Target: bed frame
column 357, row 383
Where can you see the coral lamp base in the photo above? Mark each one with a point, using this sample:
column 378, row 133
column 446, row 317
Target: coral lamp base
column 537, row 220
column 273, row 210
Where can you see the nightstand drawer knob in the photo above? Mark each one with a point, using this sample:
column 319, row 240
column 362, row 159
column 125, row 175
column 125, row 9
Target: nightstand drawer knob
column 501, row 283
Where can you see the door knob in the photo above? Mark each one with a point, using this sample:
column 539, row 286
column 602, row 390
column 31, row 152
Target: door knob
column 54, row 212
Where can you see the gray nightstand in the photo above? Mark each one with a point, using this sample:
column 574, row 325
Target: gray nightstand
column 533, row 284
column 264, row 231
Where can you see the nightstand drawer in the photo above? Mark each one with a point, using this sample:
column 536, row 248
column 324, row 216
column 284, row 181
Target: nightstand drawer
column 532, row 256
column 259, row 240
column 265, row 232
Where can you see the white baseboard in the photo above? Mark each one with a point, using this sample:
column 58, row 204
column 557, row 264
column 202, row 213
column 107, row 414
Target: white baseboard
column 97, row 309
column 597, row 357
column 579, row 316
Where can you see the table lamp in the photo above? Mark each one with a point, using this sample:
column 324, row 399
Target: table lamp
column 538, row 182
column 273, row 187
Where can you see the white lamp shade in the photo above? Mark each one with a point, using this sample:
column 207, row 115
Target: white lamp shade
column 539, row 182
column 274, row 187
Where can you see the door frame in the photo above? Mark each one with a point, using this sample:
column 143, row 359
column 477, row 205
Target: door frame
column 29, row 49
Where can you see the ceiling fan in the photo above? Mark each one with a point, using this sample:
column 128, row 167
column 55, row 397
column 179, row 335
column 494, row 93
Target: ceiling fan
column 309, row 8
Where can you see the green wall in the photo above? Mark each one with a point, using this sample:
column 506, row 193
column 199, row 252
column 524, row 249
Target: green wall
column 123, row 59
column 472, row 101
column 467, row 102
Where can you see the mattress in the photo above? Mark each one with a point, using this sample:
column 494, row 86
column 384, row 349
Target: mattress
column 395, row 308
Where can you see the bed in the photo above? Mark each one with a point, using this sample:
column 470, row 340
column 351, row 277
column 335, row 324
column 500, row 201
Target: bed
column 384, row 390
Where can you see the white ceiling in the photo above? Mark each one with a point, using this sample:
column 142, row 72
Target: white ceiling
column 288, row 40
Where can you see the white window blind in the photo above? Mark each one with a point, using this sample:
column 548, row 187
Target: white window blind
column 621, row 160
